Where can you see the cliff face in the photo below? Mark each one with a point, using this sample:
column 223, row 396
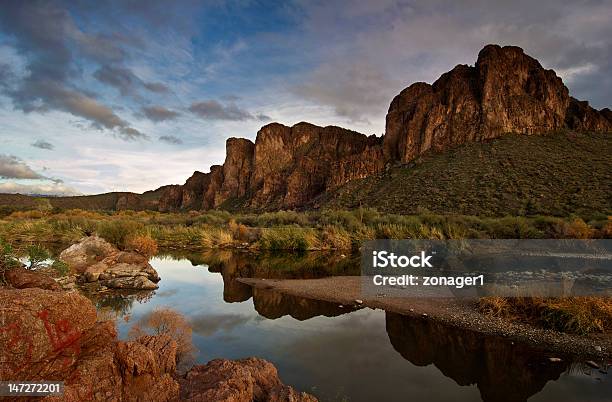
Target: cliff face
column 286, row 167
column 505, row 92
column 292, row 165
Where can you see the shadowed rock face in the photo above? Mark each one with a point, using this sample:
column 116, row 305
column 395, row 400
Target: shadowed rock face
column 502, row 370
column 506, row 91
column 289, row 167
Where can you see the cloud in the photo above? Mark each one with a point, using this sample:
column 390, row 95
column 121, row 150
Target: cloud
column 55, row 189
column 207, row 325
column 12, row 167
column 42, row 144
column 356, row 90
column 124, row 80
column 366, row 55
column 159, row 113
column 170, row 139
column 214, row 110
column 156, row 87
column 48, row 38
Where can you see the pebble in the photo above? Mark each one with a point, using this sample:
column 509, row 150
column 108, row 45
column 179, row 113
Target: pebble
column 554, row 359
column 358, row 301
column 598, row 348
column 411, row 310
column 424, row 315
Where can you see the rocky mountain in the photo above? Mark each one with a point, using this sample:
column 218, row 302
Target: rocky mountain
column 285, row 168
column 506, row 91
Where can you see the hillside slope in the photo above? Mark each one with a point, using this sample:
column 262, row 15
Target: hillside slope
column 555, row 174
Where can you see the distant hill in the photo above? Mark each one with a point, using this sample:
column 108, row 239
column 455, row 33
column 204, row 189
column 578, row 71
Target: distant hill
column 556, row 174
column 101, row 202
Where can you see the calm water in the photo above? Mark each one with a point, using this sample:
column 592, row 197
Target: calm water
column 344, row 355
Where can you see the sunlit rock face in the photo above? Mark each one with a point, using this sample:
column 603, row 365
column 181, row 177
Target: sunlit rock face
column 506, row 91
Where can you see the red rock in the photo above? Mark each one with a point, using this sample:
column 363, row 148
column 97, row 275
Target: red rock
column 54, row 336
column 506, row 91
column 289, row 167
column 243, row 380
column 21, row 278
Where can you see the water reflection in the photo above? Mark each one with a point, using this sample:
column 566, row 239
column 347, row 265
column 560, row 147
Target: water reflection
column 236, row 264
column 339, row 353
column 501, row 369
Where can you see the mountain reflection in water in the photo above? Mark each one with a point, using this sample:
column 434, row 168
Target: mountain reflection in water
column 339, row 353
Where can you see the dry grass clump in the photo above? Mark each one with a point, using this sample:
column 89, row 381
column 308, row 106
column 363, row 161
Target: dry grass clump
column 336, row 238
column 166, row 321
column 143, row 244
column 288, row 238
column 213, row 237
column 578, row 315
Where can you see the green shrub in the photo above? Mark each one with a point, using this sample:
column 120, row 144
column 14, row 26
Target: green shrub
column 288, row 238
column 216, row 237
column 119, row 232
column 37, row 255
column 61, row 267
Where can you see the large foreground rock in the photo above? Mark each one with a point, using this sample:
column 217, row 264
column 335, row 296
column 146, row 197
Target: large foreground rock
column 21, row 278
column 97, row 260
column 243, row 380
column 54, row 336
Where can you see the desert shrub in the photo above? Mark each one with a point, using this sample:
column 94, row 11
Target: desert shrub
column 166, row 321
column 143, row 244
column 342, row 218
column 578, row 315
column 606, row 230
column 31, row 214
column 119, row 232
column 288, row 238
column 37, row 255
column 212, row 237
column 575, row 229
column 335, row 237
column 238, row 230
column 61, row 267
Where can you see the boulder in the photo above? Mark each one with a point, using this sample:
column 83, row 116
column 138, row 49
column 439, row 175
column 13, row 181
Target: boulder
column 243, row 380
column 54, row 336
column 86, row 252
column 97, row 260
column 21, row 278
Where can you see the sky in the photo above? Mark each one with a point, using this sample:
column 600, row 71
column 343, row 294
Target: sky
column 130, row 95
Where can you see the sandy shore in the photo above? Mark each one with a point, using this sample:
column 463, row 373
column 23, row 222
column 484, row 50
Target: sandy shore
column 460, row 313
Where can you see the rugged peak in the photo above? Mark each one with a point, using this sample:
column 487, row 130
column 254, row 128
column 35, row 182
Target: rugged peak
column 506, row 91
column 287, row 167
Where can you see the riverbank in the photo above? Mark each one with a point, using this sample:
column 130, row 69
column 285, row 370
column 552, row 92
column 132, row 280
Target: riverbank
column 464, row 314
column 336, row 230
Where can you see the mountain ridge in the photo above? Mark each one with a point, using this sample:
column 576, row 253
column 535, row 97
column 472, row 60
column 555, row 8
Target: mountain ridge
column 506, row 91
